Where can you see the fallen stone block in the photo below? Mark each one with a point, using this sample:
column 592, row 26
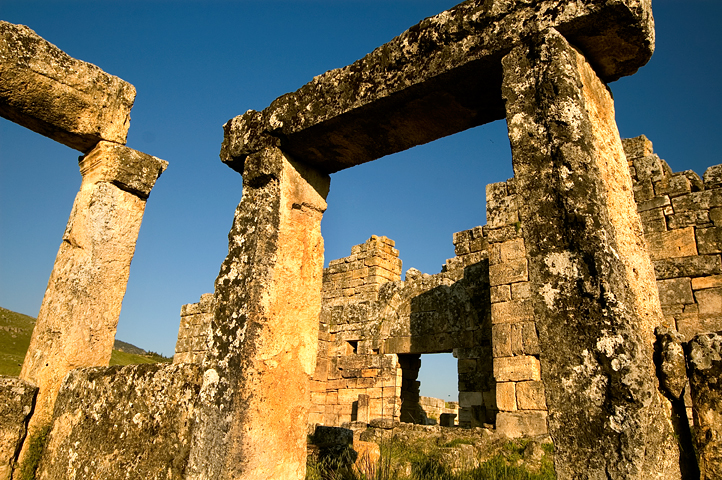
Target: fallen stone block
column 123, row 422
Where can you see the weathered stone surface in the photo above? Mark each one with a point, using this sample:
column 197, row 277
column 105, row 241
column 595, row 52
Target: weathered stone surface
column 586, row 254
column 675, row 291
column 79, row 314
column 672, row 366
column 713, row 176
column 709, row 240
column 255, row 398
column 439, row 77
column 637, row 147
column 521, row 423
column 693, row 266
column 49, row 92
column 672, row 244
column 704, row 360
column 123, row 422
column 17, row 398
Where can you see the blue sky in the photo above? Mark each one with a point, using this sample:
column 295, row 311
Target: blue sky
column 195, row 64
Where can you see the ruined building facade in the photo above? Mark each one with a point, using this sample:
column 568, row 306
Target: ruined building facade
column 374, row 326
column 551, row 307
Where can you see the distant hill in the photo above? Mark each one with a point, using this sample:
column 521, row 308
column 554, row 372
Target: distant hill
column 15, row 332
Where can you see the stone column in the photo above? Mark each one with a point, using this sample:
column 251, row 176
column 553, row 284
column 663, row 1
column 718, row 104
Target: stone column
column 593, row 292
column 79, row 314
column 255, row 397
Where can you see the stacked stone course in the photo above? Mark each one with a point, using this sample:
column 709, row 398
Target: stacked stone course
column 361, row 274
column 195, row 324
column 682, row 219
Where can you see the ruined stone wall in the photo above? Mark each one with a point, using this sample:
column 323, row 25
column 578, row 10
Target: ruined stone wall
column 375, row 328
column 195, row 324
column 435, row 407
column 350, row 362
column 682, row 219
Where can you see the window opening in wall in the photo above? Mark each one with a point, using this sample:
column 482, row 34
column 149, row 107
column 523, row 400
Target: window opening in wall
column 352, row 346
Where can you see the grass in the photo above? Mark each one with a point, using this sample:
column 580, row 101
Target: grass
column 15, row 332
column 415, row 460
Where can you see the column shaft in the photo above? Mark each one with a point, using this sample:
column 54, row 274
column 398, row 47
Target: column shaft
column 79, row 314
column 255, row 397
column 594, row 296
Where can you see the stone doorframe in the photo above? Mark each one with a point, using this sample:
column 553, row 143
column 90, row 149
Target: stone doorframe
column 592, row 301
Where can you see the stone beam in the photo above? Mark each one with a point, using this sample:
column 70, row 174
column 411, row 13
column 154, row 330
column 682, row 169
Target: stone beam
column 255, row 398
column 439, row 77
column 71, row 101
column 78, row 317
column 594, row 295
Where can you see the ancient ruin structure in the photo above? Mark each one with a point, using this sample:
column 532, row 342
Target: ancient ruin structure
column 81, row 106
column 551, row 307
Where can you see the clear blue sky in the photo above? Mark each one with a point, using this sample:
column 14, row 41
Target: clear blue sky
column 195, row 64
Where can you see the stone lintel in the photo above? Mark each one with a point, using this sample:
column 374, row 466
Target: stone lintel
column 130, row 170
column 438, row 78
column 71, row 101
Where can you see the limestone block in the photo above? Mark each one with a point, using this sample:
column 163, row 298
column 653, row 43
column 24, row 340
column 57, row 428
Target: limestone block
column 704, row 360
column 506, row 396
column 643, row 190
column 699, row 218
column 104, row 417
column 512, row 312
column 710, row 302
column 637, row 147
column 516, row 369
column 676, row 185
column 712, row 281
column 71, row 101
column 500, row 293
column 675, row 243
column 675, row 291
column 501, row 340
column 468, row 399
column 501, row 211
column 713, row 176
column 651, row 167
column 437, row 78
column 509, row 272
column 715, row 215
column 521, row 424
column 502, row 234
column 521, row 290
column 655, row 202
column 698, row 201
column 530, row 396
column 693, row 266
column 709, row 240
column 16, row 404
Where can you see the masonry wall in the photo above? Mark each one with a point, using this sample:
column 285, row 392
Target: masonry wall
column 374, row 327
column 682, row 218
column 194, row 329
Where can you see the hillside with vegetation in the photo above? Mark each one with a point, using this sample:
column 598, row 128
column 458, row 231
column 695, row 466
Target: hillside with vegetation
column 15, row 332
